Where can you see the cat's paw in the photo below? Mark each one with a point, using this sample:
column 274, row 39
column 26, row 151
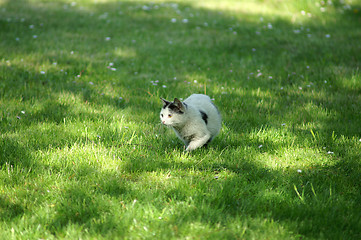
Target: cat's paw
column 188, row 149
column 192, row 147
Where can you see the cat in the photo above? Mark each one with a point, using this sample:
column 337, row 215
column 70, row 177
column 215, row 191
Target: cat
column 196, row 120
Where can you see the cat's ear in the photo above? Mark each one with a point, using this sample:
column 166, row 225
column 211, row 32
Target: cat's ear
column 179, row 104
column 165, row 102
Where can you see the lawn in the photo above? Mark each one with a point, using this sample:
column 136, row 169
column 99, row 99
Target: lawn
column 83, row 154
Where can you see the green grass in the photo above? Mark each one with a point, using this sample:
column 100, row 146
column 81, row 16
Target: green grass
column 83, row 154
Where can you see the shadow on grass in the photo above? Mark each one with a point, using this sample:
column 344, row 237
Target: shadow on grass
column 248, row 193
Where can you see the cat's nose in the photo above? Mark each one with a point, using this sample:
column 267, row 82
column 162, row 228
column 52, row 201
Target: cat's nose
column 163, row 122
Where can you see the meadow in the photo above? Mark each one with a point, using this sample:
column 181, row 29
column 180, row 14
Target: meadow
column 83, row 154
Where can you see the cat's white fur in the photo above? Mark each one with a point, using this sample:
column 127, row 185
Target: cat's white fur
column 196, row 120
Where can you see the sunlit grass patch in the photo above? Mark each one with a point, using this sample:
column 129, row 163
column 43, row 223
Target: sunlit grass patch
column 82, row 150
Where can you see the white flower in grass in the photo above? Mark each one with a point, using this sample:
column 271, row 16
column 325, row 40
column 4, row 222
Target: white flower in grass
column 17, row 39
column 111, row 64
column 31, row 26
column 299, row 171
column 185, row 20
column 173, row 20
column 164, row 86
column 23, row 112
column 107, row 39
column 35, row 36
column 329, row 152
column 327, row 35
column 91, row 83
column 113, row 69
column 42, row 72
column 146, row 8
column 260, row 146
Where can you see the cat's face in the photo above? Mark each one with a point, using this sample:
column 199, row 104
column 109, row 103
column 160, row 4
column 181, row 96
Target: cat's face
column 172, row 113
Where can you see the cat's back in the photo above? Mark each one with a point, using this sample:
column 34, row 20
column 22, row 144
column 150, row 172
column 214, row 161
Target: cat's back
column 203, row 103
column 199, row 100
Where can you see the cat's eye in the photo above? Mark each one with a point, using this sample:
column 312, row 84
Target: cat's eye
column 169, row 115
column 161, row 115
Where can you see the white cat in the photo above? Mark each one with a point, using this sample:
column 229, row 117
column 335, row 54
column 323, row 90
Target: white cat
column 196, row 121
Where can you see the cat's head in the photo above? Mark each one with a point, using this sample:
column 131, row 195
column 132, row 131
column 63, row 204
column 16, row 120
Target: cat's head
column 172, row 113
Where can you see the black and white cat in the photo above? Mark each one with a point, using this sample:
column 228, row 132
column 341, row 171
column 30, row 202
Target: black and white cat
column 196, row 120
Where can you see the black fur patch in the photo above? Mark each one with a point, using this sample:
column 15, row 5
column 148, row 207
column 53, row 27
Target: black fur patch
column 166, row 105
column 204, row 116
column 174, row 108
